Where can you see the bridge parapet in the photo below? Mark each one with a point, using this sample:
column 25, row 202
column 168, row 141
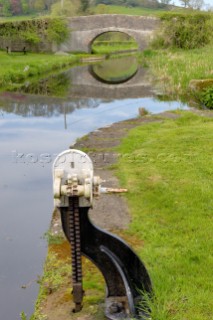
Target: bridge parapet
column 81, row 23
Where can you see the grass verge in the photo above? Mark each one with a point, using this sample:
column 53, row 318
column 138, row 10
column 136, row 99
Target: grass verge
column 136, row 11
column 168, row 169
column 17, row 67
column 173, row 69
column 110, row 47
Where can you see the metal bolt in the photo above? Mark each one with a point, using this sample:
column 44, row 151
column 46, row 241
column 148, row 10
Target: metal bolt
column 116, row 307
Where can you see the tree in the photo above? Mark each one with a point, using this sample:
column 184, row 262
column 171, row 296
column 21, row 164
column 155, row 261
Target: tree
column 185, row 3
column 16, row 7
column 209, row 7
column 67, row 8
column 165, row 1
column 25, row 6
column 31, row 4
column 84, row 5
column 49, row 3
column 196, row 4
column 39, row 5
column 5, row 8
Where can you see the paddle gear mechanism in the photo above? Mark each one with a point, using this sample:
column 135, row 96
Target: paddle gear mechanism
column 127, row 280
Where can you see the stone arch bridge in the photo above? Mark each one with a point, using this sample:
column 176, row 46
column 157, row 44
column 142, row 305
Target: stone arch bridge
column 84, row 29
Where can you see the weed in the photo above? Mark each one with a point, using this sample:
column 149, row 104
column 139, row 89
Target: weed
column 23, row 316
column 143, row 112
column 206, row 97
column 53, row 239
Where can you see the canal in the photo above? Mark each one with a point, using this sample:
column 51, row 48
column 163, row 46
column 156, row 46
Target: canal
column 37, row 122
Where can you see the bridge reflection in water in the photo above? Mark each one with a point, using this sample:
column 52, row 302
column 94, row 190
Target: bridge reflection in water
column 80, row 87
column 112, row 79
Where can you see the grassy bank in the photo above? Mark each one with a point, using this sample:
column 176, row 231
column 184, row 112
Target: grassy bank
column 167, row 167
column 19, row 18
column 17, row 67
column 181, row 52
column 102, row 47
column 136, row 11
column 173, row 69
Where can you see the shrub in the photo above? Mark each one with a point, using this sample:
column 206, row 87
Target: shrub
column 30, row 37
column 57, row 30
column 206, row 97
column 185, row 31
column 35, row 31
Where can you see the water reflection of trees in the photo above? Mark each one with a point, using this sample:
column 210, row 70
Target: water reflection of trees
column 55, row 85
column 43, row 108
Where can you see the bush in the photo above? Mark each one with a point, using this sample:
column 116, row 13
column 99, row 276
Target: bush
column 35, row 31
column 206, row 97
column 57, row 30
column 30, row 37
column 185, row 31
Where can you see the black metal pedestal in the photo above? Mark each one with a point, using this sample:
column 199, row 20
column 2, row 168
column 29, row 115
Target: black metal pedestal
column 127, row 280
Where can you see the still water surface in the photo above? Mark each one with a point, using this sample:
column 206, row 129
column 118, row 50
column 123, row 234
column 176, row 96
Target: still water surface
column 33, row 129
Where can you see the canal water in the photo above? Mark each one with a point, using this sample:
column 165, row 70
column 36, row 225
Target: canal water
column 37, row 122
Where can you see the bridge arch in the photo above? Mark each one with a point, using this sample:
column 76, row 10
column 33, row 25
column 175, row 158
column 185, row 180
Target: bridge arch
column 84, row 29
column 112, row 30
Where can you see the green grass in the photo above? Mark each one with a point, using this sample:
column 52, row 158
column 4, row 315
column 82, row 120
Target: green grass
column 136, row 11
column 17, row 67
column 101, row 48
column 168, row 169
column 19, row 18
column 113, row 42
column 174, row 68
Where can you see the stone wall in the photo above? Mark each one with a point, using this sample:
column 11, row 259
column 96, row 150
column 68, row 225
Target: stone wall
column 19, row 44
